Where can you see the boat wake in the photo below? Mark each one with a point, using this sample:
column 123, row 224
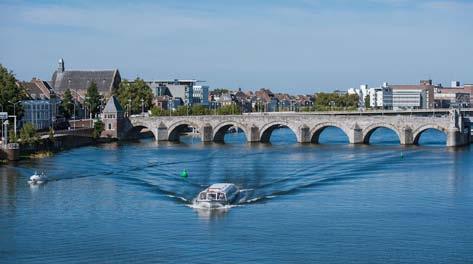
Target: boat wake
column 194, row 205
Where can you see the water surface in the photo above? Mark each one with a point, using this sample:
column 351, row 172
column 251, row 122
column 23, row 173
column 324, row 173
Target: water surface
column 327, row 203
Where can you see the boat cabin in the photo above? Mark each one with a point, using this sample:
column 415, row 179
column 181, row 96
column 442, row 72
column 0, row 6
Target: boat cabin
column 218, row 192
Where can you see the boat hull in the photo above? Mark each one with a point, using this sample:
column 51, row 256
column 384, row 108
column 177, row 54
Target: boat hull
column 210, row 204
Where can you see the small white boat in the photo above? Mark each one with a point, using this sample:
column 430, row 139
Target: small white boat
column 217, row 195
column 38, row 178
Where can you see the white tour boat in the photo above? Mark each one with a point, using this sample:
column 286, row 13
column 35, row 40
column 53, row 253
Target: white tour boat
column 217, row 195
column 38, row 178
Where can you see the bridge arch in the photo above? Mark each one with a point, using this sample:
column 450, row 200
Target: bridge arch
column 175, row 130
column 221, row 128
column 369, row 130
column 267, row 129
column 418, row 131
column 317, row 130
column 137, row 128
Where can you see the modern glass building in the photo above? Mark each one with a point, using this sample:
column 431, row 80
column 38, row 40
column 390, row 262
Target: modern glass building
column 38, row 112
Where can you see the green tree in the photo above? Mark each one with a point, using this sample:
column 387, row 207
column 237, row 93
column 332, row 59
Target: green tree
column 12, row 137
column 200, row 110
column 232, row 109
column 51, row 135
column 99, row 127
column 335, row 101
column 367, row 101
column 67, row 104
column 28, row 134
column 182, row 110
column 10, row 92
column 130, row 94
column 93, row 99
column 156, row 111
column 220, row 91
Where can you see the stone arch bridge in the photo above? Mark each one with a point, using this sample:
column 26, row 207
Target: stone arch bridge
column 306, row 127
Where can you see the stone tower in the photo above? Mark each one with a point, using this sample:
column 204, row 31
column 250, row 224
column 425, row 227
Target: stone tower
column 115, row 123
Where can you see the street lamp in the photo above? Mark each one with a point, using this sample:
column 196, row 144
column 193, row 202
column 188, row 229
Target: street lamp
column 332, row 104
column 129, row 107
column 74, row 114
column 14, row 113
column 87, row 102
column 142, row 107
column 101, row 106
column 52, row 104
column 14, row 106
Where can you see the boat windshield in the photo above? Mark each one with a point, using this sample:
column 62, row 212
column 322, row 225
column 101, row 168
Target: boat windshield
column 212, row 196
column 221, row 196
column 203, row 196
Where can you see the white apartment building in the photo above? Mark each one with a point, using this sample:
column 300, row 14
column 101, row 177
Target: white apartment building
column 379, row 97
column 201, row 94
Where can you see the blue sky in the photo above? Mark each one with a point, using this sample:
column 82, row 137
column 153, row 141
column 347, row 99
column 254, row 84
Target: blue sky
column 298, row 46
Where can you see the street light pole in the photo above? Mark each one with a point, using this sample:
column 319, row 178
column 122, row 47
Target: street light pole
column 14, row 113
column 142, row 107
column 74, row 114
column 129, row 107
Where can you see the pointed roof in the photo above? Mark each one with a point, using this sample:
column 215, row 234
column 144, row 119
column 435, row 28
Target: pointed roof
column 113, row 106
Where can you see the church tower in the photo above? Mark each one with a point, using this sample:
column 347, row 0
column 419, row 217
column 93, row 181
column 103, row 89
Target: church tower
column 60, row 67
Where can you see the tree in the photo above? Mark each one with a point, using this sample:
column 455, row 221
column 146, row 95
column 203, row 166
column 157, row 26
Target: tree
column 10, row 92
column 182, row 110
column 28, row 134
column 12, row 137
column 67, row 104
column 130, row 95
column 93, row 99
column 335, row 101
column 51, row 135
column 220, row 91
column 232, row 109
column 200, row 110
column 99, row 127
column 367, row 101
column 156, row 111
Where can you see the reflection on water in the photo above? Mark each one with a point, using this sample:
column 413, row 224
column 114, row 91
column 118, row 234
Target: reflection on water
column 211, row 214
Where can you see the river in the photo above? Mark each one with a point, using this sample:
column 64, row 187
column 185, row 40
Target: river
column 327, row 203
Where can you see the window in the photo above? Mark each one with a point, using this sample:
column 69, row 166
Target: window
column 109, row 126
column 212, row 196
column 202, row 196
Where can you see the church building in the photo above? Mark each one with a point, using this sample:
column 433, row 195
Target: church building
column 77, row 81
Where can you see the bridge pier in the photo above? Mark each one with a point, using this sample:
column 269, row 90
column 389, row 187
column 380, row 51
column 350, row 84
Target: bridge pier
column 304, row 134
column 406, row 137
column 355, row 135
column 254, row 135
column 456, row 138
column 206, row 132
column 162, row 133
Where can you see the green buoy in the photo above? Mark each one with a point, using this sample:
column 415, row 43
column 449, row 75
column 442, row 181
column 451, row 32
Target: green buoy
column 184, row 173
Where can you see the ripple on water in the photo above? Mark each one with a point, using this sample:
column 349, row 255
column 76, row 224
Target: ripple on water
column 126, row 202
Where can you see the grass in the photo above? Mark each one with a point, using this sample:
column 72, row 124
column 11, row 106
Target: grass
column 41, row 154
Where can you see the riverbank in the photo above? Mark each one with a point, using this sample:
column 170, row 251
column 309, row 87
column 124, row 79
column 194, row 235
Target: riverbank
column 46, row 147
